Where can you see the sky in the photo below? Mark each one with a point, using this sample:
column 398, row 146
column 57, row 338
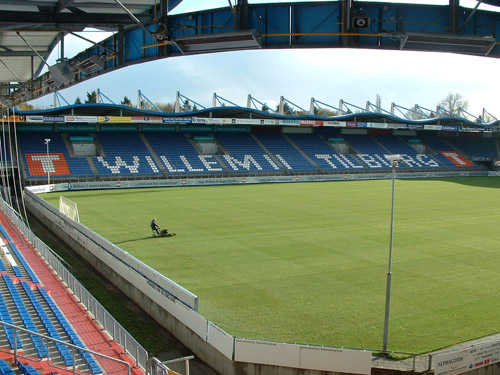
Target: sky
column 329, row 75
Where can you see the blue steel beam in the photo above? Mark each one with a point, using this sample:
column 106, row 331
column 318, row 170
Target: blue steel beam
column 299, row 25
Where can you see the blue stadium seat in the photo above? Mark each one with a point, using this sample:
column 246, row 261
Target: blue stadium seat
column 70, row 332
column 47, row 323
column 34, row 151
column 5, row 368
column 28, row 323
column 180, row 157
column 125, row 155
column 20, row 258
column 321, row 153
column 245, row 154
column 285, row 152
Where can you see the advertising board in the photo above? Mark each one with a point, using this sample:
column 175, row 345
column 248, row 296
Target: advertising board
column 467, row 359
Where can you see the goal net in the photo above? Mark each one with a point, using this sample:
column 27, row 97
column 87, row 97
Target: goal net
column 69, row 208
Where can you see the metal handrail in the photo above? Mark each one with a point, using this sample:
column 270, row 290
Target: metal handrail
column 72, row 346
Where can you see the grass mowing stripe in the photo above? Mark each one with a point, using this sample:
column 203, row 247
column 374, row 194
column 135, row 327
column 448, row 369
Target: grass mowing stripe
column 307, row 262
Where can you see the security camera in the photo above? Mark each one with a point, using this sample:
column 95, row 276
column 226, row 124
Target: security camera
column 394, row 157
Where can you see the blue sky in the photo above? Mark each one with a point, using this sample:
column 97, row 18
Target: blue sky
column 354, row 75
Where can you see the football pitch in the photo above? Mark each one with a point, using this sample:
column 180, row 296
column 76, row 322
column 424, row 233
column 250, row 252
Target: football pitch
column 307, row 262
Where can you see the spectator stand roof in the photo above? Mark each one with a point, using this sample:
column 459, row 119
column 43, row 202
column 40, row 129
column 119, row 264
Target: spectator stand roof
column 238, row 112
column 144, row 30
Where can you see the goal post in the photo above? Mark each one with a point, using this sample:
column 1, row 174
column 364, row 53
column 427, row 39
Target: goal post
column 69, row 208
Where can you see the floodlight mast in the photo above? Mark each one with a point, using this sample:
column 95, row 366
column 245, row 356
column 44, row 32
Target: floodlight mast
column 394, row 160
column 47, row 141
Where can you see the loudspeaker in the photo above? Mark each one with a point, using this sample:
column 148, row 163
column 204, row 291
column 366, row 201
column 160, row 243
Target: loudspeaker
column 360, row 22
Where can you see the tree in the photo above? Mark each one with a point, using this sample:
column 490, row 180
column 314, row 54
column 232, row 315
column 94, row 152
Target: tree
column 78, row 100
column 91, row 97
column 26, row 107
column 453, row 102
column 415, row 114
column 126, row 101
column 166, row 107
column 325, row 112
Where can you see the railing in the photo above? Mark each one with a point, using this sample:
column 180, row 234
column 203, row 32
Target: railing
column 102, row 316
column 180, row 366
column 402, row 361
column 73, row 348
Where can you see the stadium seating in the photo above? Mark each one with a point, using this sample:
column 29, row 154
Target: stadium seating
column 26, row 319
column 285, row 152
column 125, row 154
column 58, row 163
column 370, row 152
column 5, row 368
column 321, row 153
column 411, row 159
column 446, row 156
column 176, row 154
column 244, row 154
column 476, row 148
column 47, row 323
column 9, row 332
column 70, row 332
column 27, row 369
column 20, row 258
column 180, row 157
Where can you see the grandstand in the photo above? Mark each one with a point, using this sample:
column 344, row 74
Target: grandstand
column 144, row 151
column 180, row 151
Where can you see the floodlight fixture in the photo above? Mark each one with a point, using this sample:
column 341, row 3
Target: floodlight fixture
column 62, row 72
column 394, row 159
column 91, row 64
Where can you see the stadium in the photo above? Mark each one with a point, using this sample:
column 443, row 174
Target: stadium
column 276, row 255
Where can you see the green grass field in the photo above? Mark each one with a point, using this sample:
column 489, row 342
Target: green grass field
column 307, row 262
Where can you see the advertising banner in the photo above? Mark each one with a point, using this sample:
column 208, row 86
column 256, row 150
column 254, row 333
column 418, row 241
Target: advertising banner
column 337, row 124
column 147, row 119
column 177, row 120
column 84, row 119
column 467, row 359
column 114, row 119
column 35, row 128
column 118, row 128
column 220, row 340
column 53, row 118
column 67, row 128
column 34, row 118
column 159, row 128
column 303, row 356
column 433, row 127
column 311, row 123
